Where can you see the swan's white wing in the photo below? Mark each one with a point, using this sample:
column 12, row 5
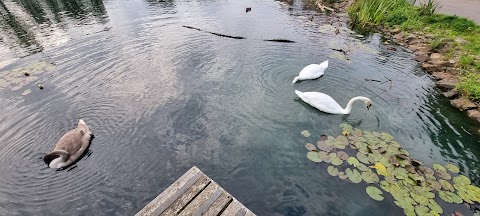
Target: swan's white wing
column 312, row 71
column 322, row 101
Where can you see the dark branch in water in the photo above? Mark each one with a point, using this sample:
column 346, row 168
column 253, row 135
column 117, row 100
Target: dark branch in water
column 280, row 40
column 214, row 33
column 340, row 50
column 236, row 37
column 373, row 80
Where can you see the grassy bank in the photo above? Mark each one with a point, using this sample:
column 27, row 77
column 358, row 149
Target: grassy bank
column 460, row 36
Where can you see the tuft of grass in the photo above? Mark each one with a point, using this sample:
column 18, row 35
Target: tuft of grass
column 469, row 85
column 466, row 61
column 437, row 44
column 429, row 8
column 372, row 12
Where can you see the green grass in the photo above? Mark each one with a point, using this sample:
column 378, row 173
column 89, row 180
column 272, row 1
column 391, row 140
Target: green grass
column 462, row 35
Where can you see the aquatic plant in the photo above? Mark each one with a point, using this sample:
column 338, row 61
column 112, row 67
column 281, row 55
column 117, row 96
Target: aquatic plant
column 378, row 160
column 19, row 77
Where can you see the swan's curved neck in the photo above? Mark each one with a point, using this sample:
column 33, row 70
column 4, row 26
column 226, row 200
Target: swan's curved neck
column 350, row 103
column 59, row 162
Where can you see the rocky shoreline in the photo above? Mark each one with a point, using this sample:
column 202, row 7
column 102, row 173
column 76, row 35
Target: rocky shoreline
column 433, row 61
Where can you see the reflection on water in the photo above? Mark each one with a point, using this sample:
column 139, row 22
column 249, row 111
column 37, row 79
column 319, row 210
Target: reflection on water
column 29, row 26
column 161, row 98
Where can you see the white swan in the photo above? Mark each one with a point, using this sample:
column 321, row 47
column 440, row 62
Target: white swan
column 70, row 147
column 327, row 104
column 311, row 71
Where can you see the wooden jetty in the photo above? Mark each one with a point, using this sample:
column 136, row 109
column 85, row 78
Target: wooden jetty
column 195, row 194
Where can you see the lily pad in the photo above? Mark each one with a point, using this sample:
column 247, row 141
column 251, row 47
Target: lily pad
column 435, row 207
column 385, row 185
column 342, row 175
column 310, row 147
column 323, row 156
column 421, row 210
column 324, row 147
column 313, row 157
column 370, row 177
column 450, row 197
column 443, row 175
column 439, row 167
column 362, row 158
column 452, row 168
column 466, row 197
column 335, row 160
column 355, row 176
column 374, row 193
column 305, row 133
column 353, row 161
column 342, row 155
column 461, row 180
column 446, row 185
column 381, row 170
column 333, row 171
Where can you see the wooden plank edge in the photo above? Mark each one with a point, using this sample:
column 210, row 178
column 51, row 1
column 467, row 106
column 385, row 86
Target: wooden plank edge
column 165, row 199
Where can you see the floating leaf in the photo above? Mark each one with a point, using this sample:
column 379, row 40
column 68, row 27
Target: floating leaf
column 438, row 167
column 443, row 175
column 419, row 198
column 421, row 210
column 342, row 175
column 466, row 197
column 382, row 150
column 434, row 184
column 362, row 158
column 342, row 155
column 333, row 171
column 335, row 160
column 446, row 185
column 323, row 137
column 374, row 193
column 363, row 168
column 323, row 156
column 452, row 168
column 354, row 175
column 385, row 185
column 381, row 170
column 310, row 147
column 370, row 177
column 313, row 157
column 305, row 133
column 353, row 161
column 435, row 207
column 324, row 147
column 461, row 180
column 450, row 197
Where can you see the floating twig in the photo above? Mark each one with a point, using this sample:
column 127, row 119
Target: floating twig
column 215, row 33
column 280, row 40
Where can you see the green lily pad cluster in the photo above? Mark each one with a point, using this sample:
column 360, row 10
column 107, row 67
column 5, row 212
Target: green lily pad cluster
column 378, row 160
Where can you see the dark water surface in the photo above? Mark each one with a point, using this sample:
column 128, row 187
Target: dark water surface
column 161, row 98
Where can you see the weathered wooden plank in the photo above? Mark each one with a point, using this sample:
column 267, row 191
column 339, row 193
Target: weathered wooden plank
column 208, row 203
column 193, row 206
column 187, row 197
column 234, row 209
column 249, row 213
column 169, row 195
column 219, row 204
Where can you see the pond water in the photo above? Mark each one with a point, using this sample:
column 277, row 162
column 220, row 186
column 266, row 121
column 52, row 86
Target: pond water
column 161, row 98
